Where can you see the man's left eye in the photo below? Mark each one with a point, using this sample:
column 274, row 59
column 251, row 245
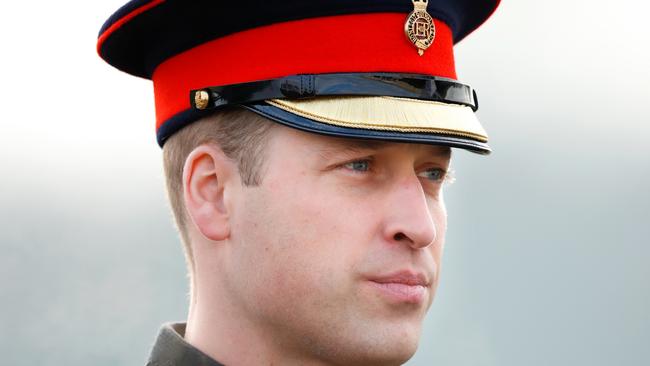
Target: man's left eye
column 434, row 174
column 358, row 165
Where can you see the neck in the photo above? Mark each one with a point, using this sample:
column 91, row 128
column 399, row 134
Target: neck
column 222, row 331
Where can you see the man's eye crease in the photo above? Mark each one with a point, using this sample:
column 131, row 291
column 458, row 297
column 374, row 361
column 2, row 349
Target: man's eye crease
column 272, row 118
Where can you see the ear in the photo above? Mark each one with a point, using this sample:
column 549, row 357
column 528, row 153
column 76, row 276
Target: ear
column 207, row 176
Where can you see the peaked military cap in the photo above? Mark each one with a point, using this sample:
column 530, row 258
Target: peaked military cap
column 373, row 69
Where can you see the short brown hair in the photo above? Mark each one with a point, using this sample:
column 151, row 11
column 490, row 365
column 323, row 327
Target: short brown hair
column 239, row 133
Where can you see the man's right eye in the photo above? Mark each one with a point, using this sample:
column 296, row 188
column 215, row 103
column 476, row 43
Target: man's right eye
column 358, row 165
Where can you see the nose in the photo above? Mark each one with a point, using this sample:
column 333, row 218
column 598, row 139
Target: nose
column 408, row 215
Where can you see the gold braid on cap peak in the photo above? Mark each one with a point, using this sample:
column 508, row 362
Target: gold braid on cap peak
column 389, row 114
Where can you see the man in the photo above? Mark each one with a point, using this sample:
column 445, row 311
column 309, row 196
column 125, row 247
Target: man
column 306, row 145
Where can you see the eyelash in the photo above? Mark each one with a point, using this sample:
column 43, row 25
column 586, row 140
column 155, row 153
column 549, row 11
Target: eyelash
column 444, row 176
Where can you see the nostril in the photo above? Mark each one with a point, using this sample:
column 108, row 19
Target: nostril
column 399, row 237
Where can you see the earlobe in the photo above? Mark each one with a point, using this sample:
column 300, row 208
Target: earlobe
column 206, row 177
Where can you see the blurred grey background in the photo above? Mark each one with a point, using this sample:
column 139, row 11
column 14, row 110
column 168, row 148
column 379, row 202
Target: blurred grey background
column 547, row 255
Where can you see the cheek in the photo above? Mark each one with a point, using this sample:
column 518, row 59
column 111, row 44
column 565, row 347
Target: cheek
column 295, row 242
column 439, row 216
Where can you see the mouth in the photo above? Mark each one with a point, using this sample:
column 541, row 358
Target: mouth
column 402, row 287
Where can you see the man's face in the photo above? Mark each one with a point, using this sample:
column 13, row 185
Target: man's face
column 336, row 253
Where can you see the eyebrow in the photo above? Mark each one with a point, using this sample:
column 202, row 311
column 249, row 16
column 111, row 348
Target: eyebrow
column 351, row 146
column 364, row 145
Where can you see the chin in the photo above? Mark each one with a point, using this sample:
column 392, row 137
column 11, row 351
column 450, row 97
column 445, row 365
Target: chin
column 389, row 346
column 385, row 357
column 399, row 352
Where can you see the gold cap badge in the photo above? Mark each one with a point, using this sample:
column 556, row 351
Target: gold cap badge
column 419, row 26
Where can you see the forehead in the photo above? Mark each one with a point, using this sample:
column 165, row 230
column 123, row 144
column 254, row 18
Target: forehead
column 315, row 144
column 338, row 144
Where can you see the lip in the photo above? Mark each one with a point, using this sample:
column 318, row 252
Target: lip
column 402, row 287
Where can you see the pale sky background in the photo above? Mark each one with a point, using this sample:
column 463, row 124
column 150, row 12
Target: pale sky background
column 548, row 250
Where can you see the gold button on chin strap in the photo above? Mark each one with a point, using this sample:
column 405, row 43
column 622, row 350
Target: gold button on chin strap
column 201, row 99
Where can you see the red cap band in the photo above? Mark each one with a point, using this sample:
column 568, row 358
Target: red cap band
column 347, row 43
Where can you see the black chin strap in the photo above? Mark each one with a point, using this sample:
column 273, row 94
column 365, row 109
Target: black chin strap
column 412, row 86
